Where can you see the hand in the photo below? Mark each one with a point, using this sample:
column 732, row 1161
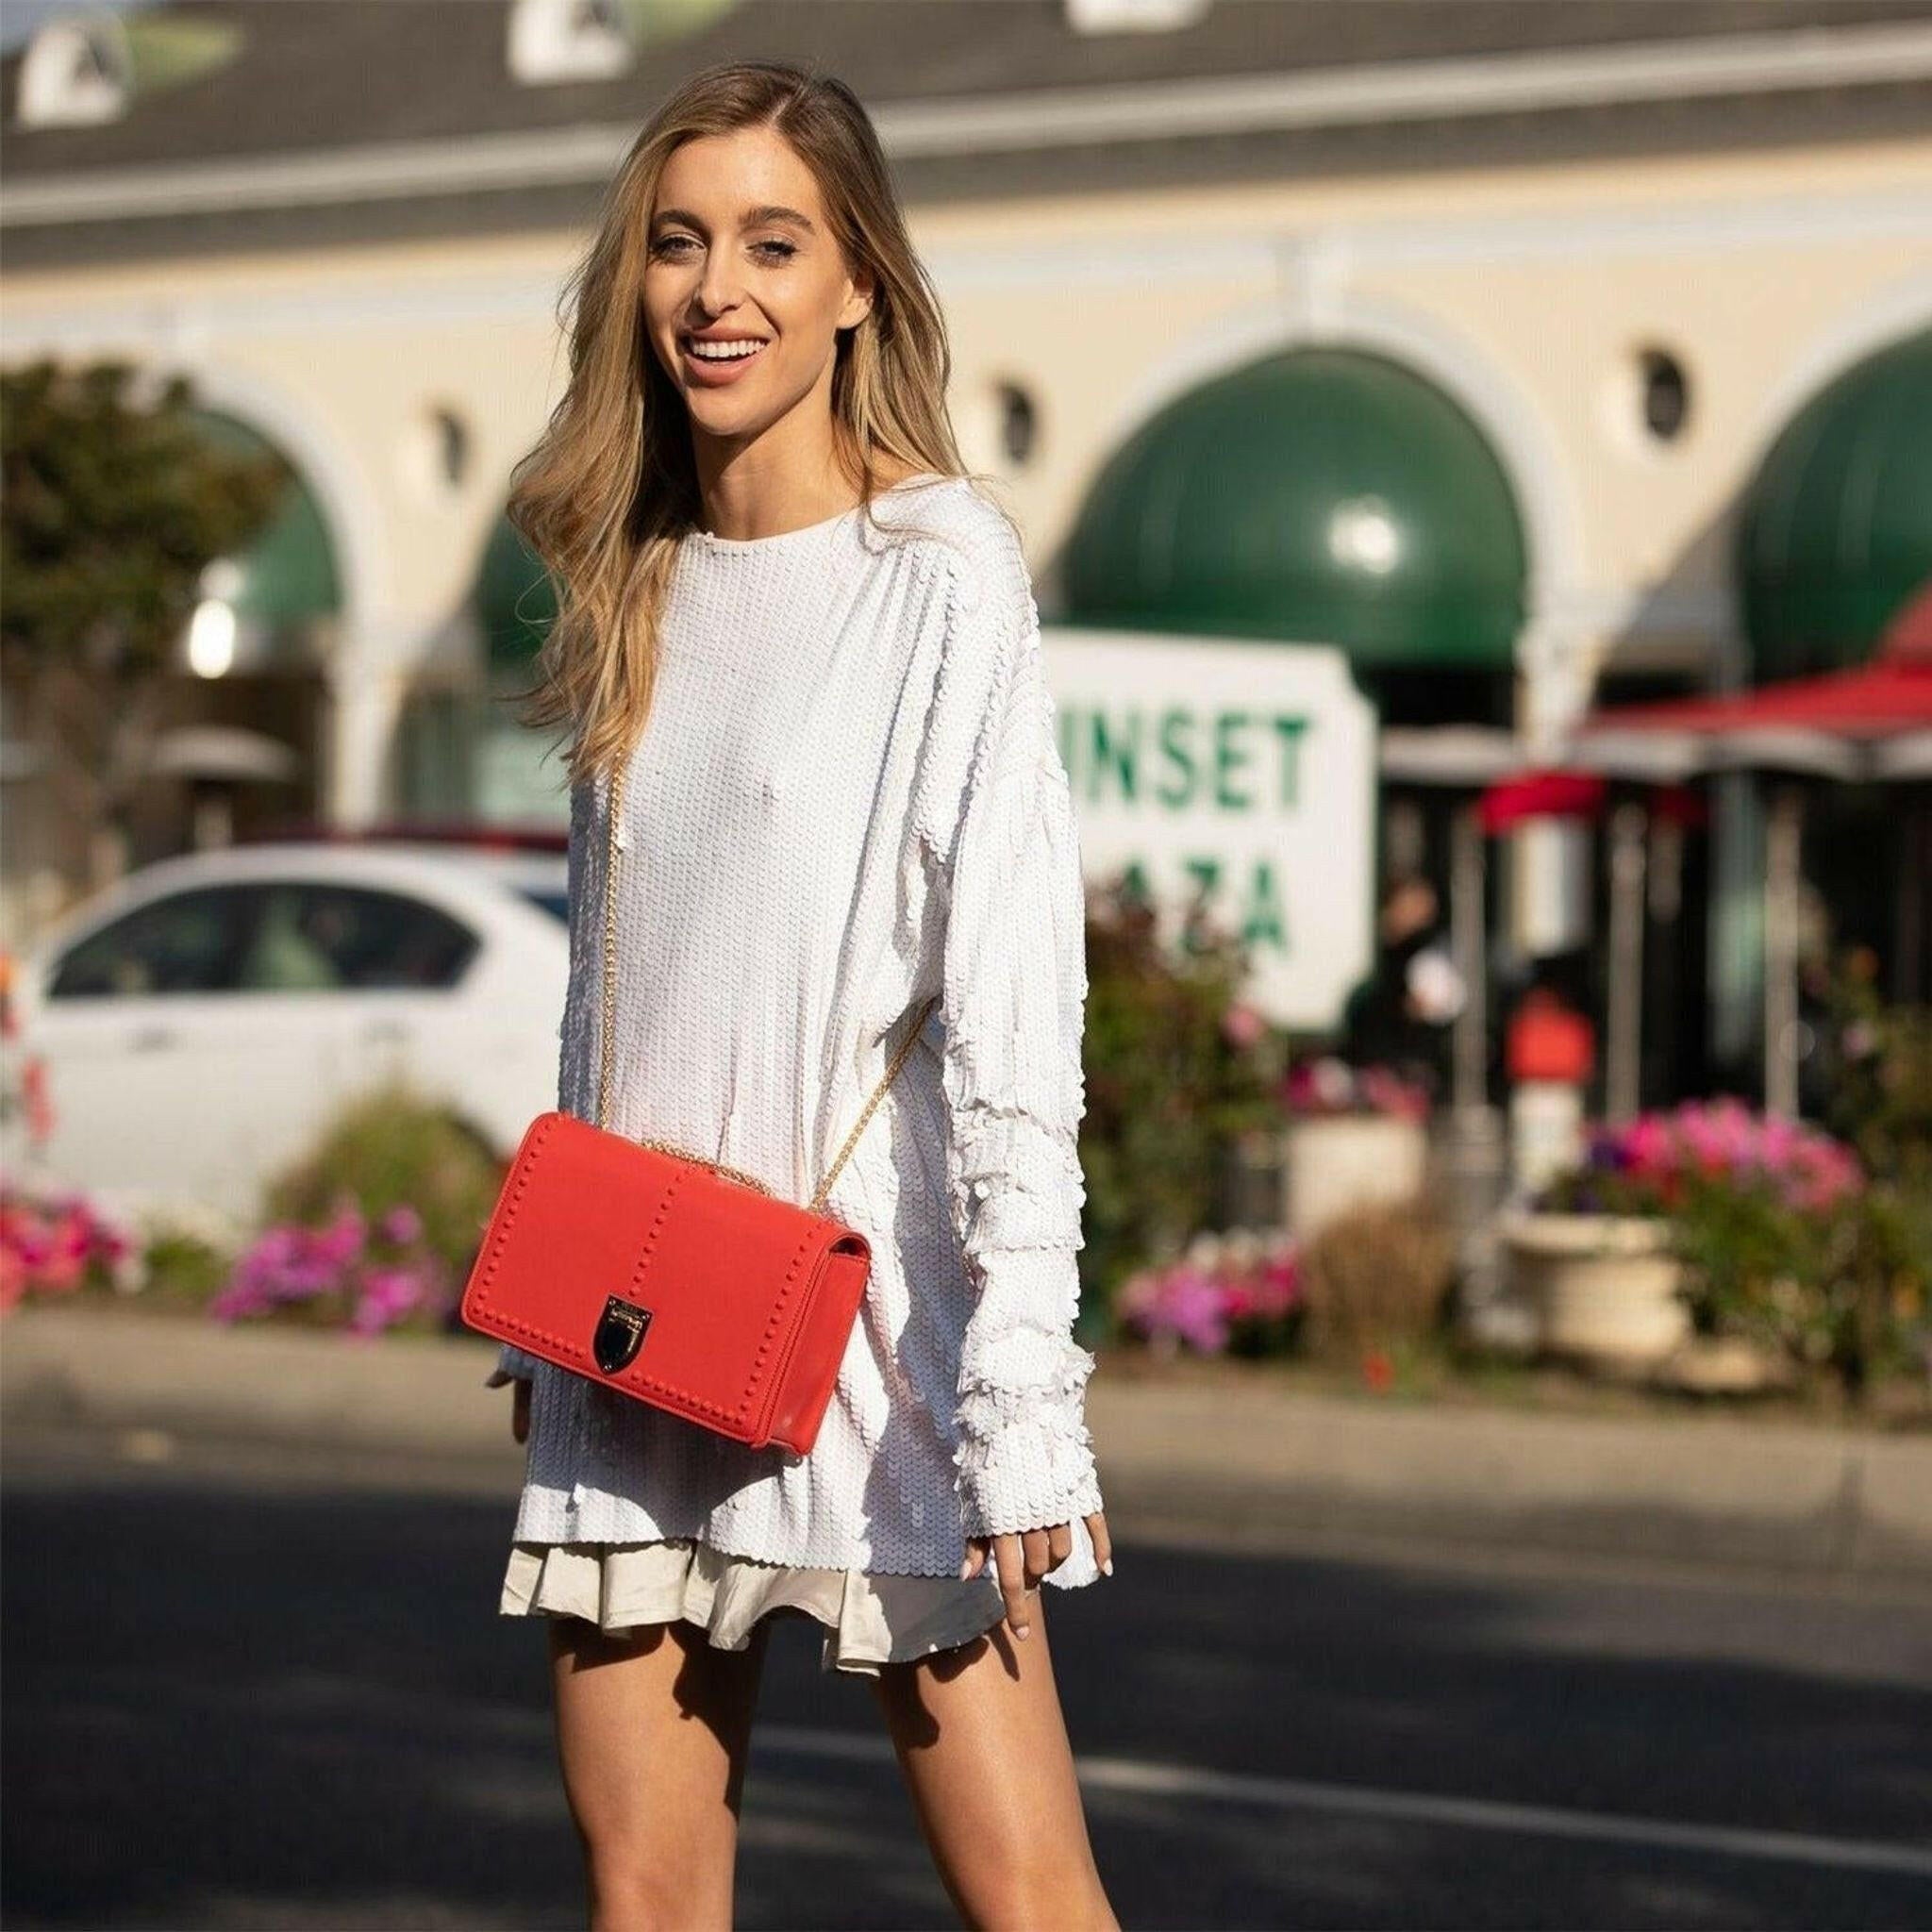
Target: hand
column 1021, row 1558
column 520, row 1408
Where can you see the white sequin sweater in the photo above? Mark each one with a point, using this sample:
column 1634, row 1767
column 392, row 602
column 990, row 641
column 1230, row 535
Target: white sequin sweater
column 847, row 797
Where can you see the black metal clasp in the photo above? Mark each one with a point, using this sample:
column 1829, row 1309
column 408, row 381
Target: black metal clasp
column 620, row 1334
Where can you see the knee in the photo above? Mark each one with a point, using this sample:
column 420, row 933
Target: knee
column 1047, row 1894
column 632, row 1891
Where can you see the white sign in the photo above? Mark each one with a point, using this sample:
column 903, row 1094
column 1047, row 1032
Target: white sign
column 1235, row 778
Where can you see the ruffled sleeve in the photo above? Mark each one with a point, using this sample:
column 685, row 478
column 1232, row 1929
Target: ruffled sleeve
column 995, row 816
column 513, row 1365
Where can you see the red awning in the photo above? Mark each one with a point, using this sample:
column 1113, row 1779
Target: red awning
column 1541, row 795
column 1886, row 697
column 1873, row 701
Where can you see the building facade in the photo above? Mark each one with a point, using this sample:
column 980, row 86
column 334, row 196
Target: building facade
column 1472, row 340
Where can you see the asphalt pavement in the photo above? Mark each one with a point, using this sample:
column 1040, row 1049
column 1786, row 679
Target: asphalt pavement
column 1228, row 1462
column 261, row 1684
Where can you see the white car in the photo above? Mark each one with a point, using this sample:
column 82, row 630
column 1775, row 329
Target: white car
column 202, row 1020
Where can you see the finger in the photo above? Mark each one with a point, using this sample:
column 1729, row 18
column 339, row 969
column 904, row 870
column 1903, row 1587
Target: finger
column 1012, row 1561
column 1103, row 1544
column 975, row 1558
column 1059, row 1544
column 1033, row 1542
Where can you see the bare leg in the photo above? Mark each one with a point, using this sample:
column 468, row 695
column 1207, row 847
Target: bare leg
column 983, row 1746
column 652, row 1726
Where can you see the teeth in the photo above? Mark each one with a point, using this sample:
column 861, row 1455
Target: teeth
column 724, row 352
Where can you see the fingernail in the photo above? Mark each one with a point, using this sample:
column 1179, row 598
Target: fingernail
column 1021, row 1629
column 1106, row 1568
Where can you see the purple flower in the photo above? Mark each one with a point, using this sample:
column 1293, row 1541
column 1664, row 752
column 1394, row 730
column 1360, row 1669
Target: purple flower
column 388, row 1295
column 400, row 1226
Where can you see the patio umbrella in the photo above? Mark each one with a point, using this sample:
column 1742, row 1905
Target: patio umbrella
column 1872, row 722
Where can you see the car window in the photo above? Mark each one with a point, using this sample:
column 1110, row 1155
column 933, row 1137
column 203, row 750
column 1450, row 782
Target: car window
column 313, row 937
column 556, row 904
column 183, row 943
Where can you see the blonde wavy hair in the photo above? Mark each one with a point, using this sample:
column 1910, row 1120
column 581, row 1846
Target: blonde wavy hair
column 610, row 489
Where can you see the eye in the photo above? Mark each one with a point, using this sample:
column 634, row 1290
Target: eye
column 666, row 242
column 785, row 249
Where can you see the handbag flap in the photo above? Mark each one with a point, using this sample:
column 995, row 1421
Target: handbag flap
column 648, row 1272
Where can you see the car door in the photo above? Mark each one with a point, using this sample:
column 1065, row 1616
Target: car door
column 164, row 1078
column 383, row 966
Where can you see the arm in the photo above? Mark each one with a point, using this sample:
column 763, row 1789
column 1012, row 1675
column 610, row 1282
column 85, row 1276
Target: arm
column 1005, row 845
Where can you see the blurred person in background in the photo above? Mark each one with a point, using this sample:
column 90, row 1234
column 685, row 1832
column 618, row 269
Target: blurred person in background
column 848, row 798
column 1400, row 1016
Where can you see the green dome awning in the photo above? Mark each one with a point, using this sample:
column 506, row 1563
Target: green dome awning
column 1837, row 526
column 1321, row 496
column 286, row 576
column 515, row 601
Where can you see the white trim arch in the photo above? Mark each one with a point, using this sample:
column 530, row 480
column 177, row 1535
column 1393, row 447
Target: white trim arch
column 1902, row 309
column 325, row 463
column 364, row 679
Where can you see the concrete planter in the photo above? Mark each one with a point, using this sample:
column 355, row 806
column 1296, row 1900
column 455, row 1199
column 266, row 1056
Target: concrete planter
column 1333, row 1163
column 1602, row 1287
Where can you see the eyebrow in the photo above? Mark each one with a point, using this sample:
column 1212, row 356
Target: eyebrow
column 753, row 217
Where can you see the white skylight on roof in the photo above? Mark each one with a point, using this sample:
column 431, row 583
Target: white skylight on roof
column 552, row 41
column 77, row 71
column 1133, row 16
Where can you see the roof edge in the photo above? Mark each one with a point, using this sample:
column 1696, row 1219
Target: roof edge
column 1434, row 89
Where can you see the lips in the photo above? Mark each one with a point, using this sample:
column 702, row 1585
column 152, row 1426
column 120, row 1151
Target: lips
column 705, row 373
column 690, row 342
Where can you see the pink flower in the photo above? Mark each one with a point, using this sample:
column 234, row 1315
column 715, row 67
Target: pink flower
column 388, row 1295
column 1241, row 1027
column 52, row 1244
column 400, row 1226
column 1278, row 1285
column 1722, row 1141
column 1187, row 1302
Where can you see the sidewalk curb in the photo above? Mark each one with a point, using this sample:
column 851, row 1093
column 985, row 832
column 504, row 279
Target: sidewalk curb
column 1253, row 1464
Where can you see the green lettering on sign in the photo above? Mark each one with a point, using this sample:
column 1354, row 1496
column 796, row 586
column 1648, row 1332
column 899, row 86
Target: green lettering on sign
column 1290, row 732
column 1105, row 754
column 1265, row 925
column 1118, row 759
column 1180, row 751
column 1228, row 756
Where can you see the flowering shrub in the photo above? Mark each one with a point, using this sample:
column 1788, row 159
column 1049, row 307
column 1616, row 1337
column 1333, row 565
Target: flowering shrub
column 1327, row 1086
column 57, row 1243
column 1179, row 1069
column 1879, row 1076
column 366, row 1275
column 1237, row 1293
column 1841, row 1288
column 1784, row 1237
column 393, row 1148
column 1654, row 1164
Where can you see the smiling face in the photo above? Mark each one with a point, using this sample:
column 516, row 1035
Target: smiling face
column 745, row 285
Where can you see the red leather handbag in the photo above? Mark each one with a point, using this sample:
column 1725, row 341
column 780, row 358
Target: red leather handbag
column 679, row 1281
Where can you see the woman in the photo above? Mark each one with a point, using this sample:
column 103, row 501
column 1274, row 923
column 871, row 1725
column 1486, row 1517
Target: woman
column 814, row 640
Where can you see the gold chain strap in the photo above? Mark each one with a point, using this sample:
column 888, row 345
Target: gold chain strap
column 819, row 1199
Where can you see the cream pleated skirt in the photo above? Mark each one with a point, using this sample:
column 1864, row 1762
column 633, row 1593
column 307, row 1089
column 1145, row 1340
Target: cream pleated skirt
column 868, row 1619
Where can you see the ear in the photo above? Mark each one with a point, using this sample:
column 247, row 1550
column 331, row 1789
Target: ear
column 858, row 303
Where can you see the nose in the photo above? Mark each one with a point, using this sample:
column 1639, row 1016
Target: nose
column 718, row 292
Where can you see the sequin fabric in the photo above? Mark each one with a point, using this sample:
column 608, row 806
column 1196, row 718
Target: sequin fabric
column 849, row 795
